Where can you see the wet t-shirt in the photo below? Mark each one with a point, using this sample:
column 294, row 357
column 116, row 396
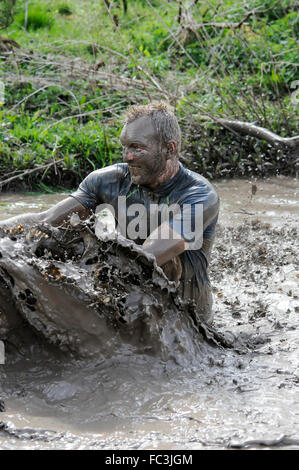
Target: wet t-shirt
column 137, row 210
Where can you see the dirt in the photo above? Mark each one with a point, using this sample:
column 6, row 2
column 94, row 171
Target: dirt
column 233, row 386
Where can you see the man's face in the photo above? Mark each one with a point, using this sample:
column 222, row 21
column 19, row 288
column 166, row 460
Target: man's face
column 142, row 151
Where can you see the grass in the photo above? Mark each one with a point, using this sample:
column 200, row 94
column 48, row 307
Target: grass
column 38, row 17
column 57, row 109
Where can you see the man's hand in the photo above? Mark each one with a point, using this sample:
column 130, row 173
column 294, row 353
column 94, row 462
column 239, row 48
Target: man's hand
column 165, row 244
column 173, row 269
column 64, row 209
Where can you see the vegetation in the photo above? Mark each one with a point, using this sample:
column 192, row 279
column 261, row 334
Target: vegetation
column 71, row 68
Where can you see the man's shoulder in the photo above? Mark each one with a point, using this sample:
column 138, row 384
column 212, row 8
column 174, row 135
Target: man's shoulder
column 196, row 183
column 101, row 185
column 112, row 172
column 197, row 179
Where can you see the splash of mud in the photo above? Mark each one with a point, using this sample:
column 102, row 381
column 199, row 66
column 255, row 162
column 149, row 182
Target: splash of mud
column 92, row 297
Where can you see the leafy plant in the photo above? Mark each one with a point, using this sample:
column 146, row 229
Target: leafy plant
column 36, row 18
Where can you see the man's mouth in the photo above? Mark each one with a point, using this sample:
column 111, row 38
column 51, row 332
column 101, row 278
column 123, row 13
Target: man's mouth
column 134, row 167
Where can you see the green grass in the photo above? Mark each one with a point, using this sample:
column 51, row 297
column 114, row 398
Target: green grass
column 241, row 73
column 38, row 17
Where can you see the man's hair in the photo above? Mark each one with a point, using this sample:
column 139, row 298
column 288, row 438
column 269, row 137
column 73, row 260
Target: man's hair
column 163, row 118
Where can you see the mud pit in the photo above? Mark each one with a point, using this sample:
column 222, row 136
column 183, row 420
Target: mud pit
column 235, row 386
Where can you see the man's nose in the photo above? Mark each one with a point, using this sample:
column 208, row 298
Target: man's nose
column 128, row 155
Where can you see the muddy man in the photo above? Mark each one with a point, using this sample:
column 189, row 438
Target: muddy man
column 153, row 179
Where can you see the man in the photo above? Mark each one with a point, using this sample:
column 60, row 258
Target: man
column 152, row 176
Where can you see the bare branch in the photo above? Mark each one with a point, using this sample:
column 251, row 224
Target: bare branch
column 27, row 172
column 260, row 133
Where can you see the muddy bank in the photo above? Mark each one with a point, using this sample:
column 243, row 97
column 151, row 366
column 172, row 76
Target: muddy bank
column 225, row 397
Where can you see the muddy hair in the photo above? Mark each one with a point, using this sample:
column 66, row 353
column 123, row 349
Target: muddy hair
column 163, row 118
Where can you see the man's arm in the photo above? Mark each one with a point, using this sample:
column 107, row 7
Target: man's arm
column 98, row 186
column 164, row 243
column 199, row 216
column 53, row 216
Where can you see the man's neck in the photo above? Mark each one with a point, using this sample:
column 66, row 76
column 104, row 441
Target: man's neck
column 172, row 167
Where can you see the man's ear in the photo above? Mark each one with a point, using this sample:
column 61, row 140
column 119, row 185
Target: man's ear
column 172, row 148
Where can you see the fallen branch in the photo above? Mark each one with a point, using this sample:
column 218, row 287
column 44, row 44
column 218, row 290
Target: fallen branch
column 27, row 172
column 196, row 26
column 260, row 133
column 187, row 22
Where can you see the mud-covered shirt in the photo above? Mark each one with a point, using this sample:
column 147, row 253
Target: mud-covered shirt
column 112, row 185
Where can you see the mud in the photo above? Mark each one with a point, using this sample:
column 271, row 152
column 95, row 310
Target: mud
column 233, row 386
column 91, row 297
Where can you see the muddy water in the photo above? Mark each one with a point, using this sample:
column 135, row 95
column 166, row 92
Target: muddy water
column 225, row 398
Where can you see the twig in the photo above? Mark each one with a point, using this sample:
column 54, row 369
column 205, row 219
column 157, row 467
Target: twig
column 53, row 154
column 26, row 15
column 27, row 172
column 28, row 96
column 70, row 117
